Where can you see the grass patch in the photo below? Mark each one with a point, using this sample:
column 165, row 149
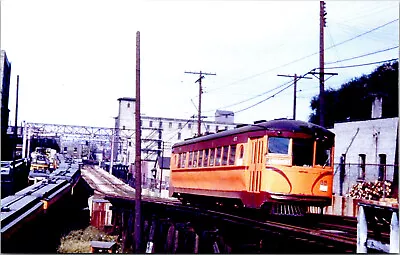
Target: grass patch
column 78, row 241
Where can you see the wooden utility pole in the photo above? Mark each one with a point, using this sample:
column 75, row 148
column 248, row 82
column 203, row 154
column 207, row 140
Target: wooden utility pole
column 138, row 165
column 296, row 78
column 200, row 92
column 161, row 166
column 112, row 150
column 322, row 24
column 16, row 126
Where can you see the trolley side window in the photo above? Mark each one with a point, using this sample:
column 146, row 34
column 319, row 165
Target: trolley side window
column 183, row 160
column 178, row 160
column 212, row 156
column 206, row 153
column 241, row 155
column 201, row 158
column 218, row 156
column 225, row 155
column 232, row 154
column 196, row 153
column 190, row 159
column 323, row 152
column 278, row 145
column 303, row 152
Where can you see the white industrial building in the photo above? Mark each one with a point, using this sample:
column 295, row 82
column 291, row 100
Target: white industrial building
column 365, row 150
column 158, row 135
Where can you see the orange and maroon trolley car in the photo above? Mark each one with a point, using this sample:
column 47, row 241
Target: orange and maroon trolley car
column 268, row 164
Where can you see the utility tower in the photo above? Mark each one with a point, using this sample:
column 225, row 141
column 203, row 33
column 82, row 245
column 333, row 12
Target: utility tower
column 296, row 78
column 200, row 92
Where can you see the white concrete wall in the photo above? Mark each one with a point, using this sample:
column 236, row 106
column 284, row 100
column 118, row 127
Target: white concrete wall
column 125, row 131
column 374, row 137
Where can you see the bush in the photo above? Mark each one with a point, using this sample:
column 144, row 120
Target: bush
column 78, row 241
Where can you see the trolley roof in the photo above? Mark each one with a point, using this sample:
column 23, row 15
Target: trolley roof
column 295, row 126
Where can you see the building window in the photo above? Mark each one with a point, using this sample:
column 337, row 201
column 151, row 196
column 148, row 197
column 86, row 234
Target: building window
column 141, row 123
column 180, row 125
column 129, row 105
column 208, row 127
column 216, row 128
column 123, row 127
column 361, row 166
column 151, row 123
column 189, row 126
column 160, row 124
column 130, row 143
column 179, row 136
column 382, row 167
column 65, row 149
column 226, row 127
column 170, row 125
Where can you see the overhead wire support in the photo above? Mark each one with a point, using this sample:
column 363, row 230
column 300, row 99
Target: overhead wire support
column 296, row 78
column 201, row 76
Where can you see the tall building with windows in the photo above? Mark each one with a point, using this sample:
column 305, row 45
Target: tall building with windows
column 123, row 147
column 158, row 134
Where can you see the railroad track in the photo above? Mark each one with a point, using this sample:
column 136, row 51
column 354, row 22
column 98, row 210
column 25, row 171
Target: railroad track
column 327, row 232
column 249, row 231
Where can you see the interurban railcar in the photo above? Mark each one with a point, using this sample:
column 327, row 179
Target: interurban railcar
column 263, row 165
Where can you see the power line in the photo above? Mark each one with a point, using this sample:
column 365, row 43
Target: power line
column 292, row 83
column 357, row 36
column 243, row 101
column 366, row 64
column 368, row 54
column 302, row 58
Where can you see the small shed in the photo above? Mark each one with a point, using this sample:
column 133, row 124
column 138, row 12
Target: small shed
column 101, row 213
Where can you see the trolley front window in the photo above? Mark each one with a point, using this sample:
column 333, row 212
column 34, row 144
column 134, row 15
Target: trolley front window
column 278, row 145
column 323, row 153
column 303, row 152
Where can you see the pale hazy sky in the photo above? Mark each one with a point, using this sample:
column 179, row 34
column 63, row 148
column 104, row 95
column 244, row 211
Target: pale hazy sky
column 76, row 58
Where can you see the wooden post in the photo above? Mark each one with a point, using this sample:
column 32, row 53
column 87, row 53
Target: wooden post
column 150, row 243
column 362, row 231
column 170, row 236
column 394, row 234
column 196, row 244
column 176, row 241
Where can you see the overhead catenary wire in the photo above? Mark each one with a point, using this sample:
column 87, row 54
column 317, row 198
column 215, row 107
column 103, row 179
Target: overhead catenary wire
column 305, row 57
column 291, row 83
column 253, row 105
column 253, row 97
column 360, row 56
column 365, row 64
column 362, row 34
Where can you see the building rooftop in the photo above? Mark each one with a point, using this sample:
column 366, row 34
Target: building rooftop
column 223, row 113
column 127, row 99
